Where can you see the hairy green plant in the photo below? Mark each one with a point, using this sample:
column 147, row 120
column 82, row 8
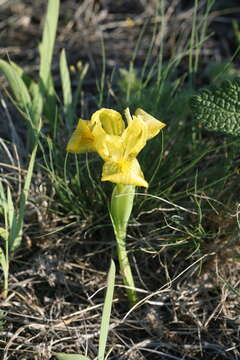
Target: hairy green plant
column 218, row 108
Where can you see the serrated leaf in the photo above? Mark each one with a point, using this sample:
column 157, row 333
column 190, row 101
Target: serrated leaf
column 218, row 108
column 62, row 356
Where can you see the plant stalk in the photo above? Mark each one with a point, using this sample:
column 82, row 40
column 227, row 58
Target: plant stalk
column 125, row 267
column 120, row 211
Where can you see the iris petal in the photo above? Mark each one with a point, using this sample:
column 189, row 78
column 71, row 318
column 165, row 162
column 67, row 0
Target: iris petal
column 82, row 139
column 126, row 172
column 111, row 121
column 109, row 147
column 134, row 137
column 153, row 125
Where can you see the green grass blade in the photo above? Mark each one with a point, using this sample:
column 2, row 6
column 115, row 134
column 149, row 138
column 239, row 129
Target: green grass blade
column 101, row 83
column 20, row 71
column 15, row 236
column 3, row 199
column 4, row 234
column 10, row 207
column 48, row 40
column 4, row 262
column 46, row 87
column 37, row 105
column 106, row 312
column 66, row 88
column 62, row 356
column 17, row 86
column 230, row 287
column 82, row 72
column 33, row 89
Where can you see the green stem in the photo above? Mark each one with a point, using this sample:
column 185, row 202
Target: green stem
column 125, row 267
column 5, row 281
column 120, row 211
column 5, row 269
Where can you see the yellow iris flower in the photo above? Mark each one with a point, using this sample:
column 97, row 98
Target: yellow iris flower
column 117, row 145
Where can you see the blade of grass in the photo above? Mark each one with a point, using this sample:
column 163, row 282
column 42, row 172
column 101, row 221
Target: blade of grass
column 15, row 235
column 203, row 29
column 66, row 88
column 4, row 234
column 106, row 312
column 46, row 88
column 17, row 86
column 193, row 41
column 4, row 262
column 101, row 83
column 82, row 72
column 162, row 30
column 48, row 40
column 62, row 356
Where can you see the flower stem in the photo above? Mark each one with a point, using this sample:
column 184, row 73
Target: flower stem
column 120, row 211
column 125, row 267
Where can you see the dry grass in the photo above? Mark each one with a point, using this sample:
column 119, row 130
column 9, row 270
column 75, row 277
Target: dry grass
column 190, row 304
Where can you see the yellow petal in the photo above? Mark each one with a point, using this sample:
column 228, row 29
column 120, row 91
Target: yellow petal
column 82, row 139
column 111, row 121
column 126, row 172
column 109, row 147
column 134, row 137
column 153, row 125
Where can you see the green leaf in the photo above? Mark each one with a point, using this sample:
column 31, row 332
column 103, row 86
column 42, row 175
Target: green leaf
column 48, row 40
column 218, row 108
column 106, row 312
column 17, row 85
column 62, row 356
column 15, row 236
column 26, row 92
column 82, row 72
column 3, row 200
column 37, row 104
column 4, row 263
column 46, row 87
column 3, row 234
column 66, row 88
column 26, row 78
column 3, row 260
column 10, row 208
column 121, row 206
column 34, row 92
